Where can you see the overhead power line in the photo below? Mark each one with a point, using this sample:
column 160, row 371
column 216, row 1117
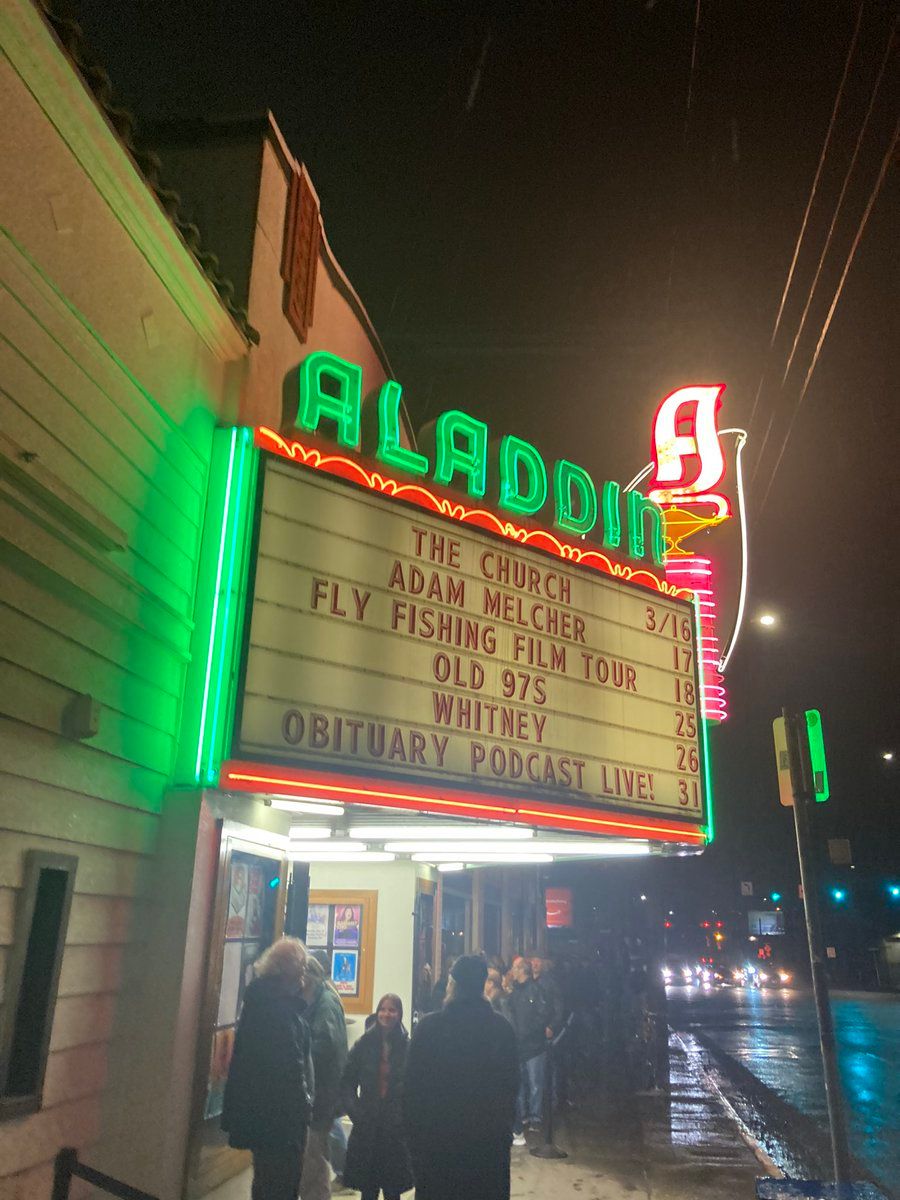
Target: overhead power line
column 690, row 88
column 837, row 208
column 804, row 222
column 886, row 161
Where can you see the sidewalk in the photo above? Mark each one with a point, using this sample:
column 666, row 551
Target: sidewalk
column 680, row 1146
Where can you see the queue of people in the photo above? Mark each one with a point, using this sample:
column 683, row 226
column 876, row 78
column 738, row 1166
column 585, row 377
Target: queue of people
column 438, row 1110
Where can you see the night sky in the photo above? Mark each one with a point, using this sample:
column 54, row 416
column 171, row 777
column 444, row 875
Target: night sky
column 546, row 236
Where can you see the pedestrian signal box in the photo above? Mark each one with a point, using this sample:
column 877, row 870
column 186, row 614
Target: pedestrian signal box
column 818, row 765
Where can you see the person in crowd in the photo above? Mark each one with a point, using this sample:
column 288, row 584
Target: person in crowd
column 544, row 977
column 462, row 1078
column 269, row 1095
column 371, row 1088
column 325, row 1017
column 439, row 991
column 530, row 1016
column 493, row 991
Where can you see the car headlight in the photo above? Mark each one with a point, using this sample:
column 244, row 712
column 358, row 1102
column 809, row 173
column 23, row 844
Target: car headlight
column 784, row 977
column 763, row 976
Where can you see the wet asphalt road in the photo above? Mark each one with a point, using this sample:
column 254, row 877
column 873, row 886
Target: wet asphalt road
column 773, row 1034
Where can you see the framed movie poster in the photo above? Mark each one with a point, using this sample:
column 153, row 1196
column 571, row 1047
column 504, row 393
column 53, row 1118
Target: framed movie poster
column 317, row 920
column 346, row 924
column 237, row 898
column 230, row 987
column 255, row 895
column 345, row 972
column 342, row 924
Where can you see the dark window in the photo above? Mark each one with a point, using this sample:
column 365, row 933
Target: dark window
column 33, row 976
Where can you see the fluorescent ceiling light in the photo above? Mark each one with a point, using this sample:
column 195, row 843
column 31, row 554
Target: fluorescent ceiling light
column 360, row 856
column 310, row 831
column 599, row 849
column 452, row 866
column 459, row 848
column 334, row 846
column 463, row 848
column 426, row 832
column 482, row 857
column 319, row 807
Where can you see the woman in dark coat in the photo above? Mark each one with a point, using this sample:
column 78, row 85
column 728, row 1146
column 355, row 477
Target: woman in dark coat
column 269, row 1093
column 371, row 1090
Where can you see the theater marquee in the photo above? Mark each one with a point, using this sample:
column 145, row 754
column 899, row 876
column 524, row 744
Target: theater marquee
column 393, row 644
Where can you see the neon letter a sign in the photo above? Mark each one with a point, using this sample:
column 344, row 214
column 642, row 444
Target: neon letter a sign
column 675, row 479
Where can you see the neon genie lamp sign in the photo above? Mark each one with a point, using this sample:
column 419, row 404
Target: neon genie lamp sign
column 463, row 457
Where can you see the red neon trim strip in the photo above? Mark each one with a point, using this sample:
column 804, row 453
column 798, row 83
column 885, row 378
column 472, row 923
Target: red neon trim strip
column 415, row 493
column 262, row 779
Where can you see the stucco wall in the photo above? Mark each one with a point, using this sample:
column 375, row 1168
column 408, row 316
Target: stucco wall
column 337, row 325
column 395, row 884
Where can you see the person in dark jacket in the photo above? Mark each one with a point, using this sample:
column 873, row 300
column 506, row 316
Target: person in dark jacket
column 371, row 1090
column 325, row 1017
column 544, row 977
column 530, row 1016
column 462, row 1077
column 269, row 1093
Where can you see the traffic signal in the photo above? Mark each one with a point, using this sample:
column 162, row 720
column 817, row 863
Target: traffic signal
column 838, row 895
column 816, row 743
column 817, row 753
column 775, row 897
column 894, row 891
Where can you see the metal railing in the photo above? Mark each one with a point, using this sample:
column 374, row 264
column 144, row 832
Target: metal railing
column 66, row 1167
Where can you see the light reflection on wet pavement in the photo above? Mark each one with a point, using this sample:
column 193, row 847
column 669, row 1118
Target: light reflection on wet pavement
column 773, row 1034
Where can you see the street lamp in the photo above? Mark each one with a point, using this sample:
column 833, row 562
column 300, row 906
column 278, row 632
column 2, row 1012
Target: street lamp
column 767, row 619
column 888, row 756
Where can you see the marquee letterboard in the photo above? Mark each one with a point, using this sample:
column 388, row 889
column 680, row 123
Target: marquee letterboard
column 390, row 642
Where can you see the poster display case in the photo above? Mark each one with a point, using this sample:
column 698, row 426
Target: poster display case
column 340, row 931
column 248, row 915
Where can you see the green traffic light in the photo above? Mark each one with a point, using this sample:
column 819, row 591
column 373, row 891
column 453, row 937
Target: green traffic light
column 776, row 896
column 817, row 753
column 838, row 894
column 894, row 890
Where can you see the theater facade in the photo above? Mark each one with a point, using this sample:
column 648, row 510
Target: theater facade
column 427, row 694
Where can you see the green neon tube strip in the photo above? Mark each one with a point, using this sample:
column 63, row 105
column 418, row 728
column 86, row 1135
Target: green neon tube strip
column 233, row 581
column 217, row 592
column 228, row 604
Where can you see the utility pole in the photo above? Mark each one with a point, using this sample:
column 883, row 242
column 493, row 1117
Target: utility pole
column 803, row 788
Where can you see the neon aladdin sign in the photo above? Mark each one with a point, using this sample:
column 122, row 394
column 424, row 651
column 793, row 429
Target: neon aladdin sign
column 464, row 458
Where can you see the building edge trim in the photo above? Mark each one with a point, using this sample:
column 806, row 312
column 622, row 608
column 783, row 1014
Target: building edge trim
column 37, row 58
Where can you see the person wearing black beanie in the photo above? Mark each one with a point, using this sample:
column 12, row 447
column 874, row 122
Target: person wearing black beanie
column 459, row 1098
